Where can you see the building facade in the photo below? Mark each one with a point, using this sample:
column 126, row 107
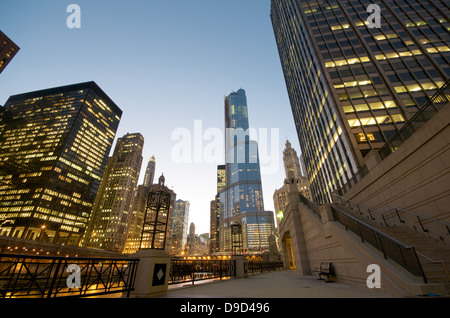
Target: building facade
column 136, row 219
column 111, row 213
column 292, row 169
column 179, row 227
column 352, row 85
column 54, row 148
column 8, row 49
column 241, row 200
column 150, row 172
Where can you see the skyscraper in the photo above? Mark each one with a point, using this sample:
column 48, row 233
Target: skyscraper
column 214, row 227
column 179, row 226
column 241, row 200
column 54, row 147
column 7, row 50
column 138, row 207
column 150, row 172
column 111, row 214
column 351, row 85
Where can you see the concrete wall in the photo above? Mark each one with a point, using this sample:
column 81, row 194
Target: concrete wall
column 415, row 177
column 320, row 239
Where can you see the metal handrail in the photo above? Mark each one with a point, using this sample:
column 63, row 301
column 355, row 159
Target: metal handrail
column 388, row 212
column 431, row 106
column 436, row 261
column 412, row 265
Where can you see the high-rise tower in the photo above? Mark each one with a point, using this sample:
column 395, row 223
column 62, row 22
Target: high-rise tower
column 351, row 85
column 54, row 148
column 241, row 200
column 111, row 213
column 150, row 172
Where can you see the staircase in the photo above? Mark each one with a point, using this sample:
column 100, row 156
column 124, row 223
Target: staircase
column 434, row 256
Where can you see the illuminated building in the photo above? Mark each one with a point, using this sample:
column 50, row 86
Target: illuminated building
column 7, row 50
column 179, row 227
column 215, row 210
column 150, row 172
column 54, row 146
column 136, row 219
column 111, row 214
column 241, row 200
column 352, row 87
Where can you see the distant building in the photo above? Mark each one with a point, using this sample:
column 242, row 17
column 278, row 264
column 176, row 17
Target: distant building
column 179, row 227
column 292, row 167
column 150, row 172
column 54, row 148
column 111, row 214
column 137, row 219
column 8, row 49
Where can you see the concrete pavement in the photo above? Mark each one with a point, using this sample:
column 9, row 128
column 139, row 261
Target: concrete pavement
column 278, row 284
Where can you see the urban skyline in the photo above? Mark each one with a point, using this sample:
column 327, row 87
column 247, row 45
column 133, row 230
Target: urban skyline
column 125, row 170
column 152, row 96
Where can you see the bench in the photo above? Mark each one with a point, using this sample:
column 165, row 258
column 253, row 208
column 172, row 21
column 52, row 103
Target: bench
column 325, row 269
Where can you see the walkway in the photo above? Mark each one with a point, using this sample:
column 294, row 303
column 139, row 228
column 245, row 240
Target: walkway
column 279, row 284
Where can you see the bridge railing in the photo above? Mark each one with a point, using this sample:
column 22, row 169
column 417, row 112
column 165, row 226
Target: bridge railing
column 190, row 270
column 33, row 276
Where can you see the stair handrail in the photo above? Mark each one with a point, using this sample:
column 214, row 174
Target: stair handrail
column 418, row 271
column 383, row 214
column 436, row 261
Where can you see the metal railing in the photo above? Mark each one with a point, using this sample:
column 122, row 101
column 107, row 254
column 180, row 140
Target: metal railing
column 396, row 216
column 185, row 270
column 311, row 205
column 428, row 110
column 257, row 267
column 32, row 276
column 403, row 255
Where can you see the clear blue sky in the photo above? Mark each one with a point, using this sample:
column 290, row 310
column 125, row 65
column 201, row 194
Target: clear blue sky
column 166, row 64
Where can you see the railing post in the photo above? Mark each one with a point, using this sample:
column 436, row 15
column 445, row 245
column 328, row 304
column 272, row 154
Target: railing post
column 421, row 225
column 398, row 215
column 55, row 276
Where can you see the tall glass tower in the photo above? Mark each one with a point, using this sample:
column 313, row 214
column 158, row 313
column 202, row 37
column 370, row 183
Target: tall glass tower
column 241, row 200
column 352, row 85
column 54, row 148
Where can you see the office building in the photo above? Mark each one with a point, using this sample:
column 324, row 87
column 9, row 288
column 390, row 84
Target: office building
column 150, row 172
column 179, row 227
column 111, row 214
column 8, row 49
column 54, row 148
column 353, row 85
column 241, row 200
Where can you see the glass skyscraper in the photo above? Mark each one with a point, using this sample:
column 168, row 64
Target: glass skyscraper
column 54, row 147
column 241, row 200
column 351, row 85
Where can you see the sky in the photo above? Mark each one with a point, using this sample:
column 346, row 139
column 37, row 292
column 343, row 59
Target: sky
column 168, row 65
